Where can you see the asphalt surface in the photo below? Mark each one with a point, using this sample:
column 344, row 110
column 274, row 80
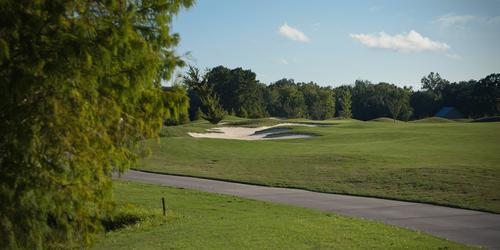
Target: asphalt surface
column 460, row 225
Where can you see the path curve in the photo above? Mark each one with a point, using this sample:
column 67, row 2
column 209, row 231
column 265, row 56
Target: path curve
column 460, row 225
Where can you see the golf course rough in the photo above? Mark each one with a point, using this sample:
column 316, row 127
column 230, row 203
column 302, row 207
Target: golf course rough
column 453, row 164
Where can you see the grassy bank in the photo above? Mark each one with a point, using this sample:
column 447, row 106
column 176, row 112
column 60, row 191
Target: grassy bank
column 198, row 220
column 445, row 163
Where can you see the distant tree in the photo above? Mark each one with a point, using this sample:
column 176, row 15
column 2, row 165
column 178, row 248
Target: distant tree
column 434, row 84
column 242, row 112
column 395, row 104
column 319, row 101
column 327, row 103
column 214, row 112
column 287, row 100
column 486, row 92
column 176, row 105
column 194, row 105
column 198, row 115
column 368, row 100
column 344, row 98
column 498, row 105
column 371, row 101
column 423, row 104
column 238, row 90
column 473, row 98
column 80, row 86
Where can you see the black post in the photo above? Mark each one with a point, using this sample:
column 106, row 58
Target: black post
column 163, row 202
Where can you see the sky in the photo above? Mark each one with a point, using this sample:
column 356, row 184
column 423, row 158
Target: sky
column 334, row 43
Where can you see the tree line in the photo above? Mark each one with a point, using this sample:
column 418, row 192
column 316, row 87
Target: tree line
column 238, row 92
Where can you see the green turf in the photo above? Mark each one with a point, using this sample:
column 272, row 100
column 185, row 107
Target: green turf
column 384, row 119
column 434, row 120
column 445, row 163
column 198, row 220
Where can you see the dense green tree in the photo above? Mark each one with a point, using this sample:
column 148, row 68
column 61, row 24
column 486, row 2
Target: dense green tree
column 473, row 98
column 343, row 95
column 215, row 113
column 327, row 103
column 197, row 115
column 424, row 104
column 396, row 101
column 498, row 105
column 238, row 90
column 80, row 86
column 319, row 101
column 366, row 104
column 213, row 110
column 371, row 101
column 434, row 84
column 176, row 105
column 286, row 99
column 195, row 105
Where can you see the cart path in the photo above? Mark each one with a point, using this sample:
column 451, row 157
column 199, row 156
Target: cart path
column 460, row 225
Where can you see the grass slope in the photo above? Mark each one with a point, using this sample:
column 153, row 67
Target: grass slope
column 455, row 163
column 434, row 120
column 199, row 220
column 384, row 119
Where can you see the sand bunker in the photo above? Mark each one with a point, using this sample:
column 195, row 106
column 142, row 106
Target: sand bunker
column 260, row 133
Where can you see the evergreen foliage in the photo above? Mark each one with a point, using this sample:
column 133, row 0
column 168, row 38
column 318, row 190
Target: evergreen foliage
column 80, row 87
column 241, row 94
column 198, row 115
column 176, row 104
column 344, row 99
column 370, row 101
column 198, row 84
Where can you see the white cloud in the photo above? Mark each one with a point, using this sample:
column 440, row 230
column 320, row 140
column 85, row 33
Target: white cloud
column 293, row 34
column 281, row 61
column 454, row 56
column 405, row 42
column 493, row 20
column 454, row 20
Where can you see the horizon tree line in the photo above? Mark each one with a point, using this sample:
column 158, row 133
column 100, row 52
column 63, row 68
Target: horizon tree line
column 238, row 92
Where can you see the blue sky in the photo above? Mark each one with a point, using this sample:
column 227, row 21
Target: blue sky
column 336, row 42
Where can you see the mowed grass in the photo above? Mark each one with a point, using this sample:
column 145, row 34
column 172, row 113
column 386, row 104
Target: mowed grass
column 198, row 220
column 456, row 164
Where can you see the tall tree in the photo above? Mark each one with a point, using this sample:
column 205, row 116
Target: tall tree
column 176, row 105
column 287, row 100
column 434, row 84
column 320, row 102
column 424, row 104
column 395, row 103
column 213, row 110
column 80, row 86
column 238, row 90
column 371, row 101
column 344, row 96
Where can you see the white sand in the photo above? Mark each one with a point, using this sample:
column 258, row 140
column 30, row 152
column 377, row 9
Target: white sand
column 242, row 133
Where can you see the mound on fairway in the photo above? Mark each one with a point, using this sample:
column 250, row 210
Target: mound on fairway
column 488, row 119
column 434, row 120
column 198, row 220
column 384, row 119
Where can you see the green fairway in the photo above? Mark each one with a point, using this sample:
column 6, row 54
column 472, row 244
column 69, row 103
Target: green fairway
column 198, row 220
column 453, row 163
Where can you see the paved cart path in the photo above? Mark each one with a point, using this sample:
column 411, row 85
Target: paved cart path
column 460, row 225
